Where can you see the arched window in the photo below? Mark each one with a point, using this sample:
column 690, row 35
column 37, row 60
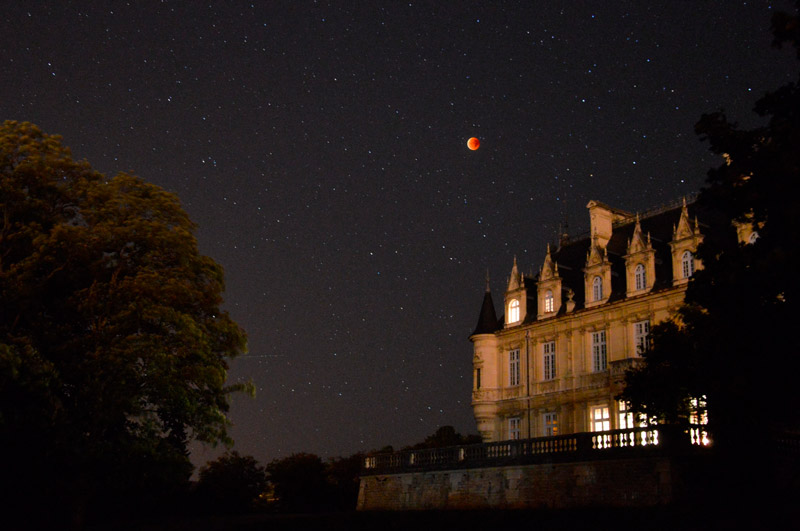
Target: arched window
column 548, row 301
column 640, row 277
column 597, row 289
column 513, row 311
column 687, row 264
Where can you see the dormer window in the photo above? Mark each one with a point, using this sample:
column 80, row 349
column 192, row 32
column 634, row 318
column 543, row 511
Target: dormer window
column 597, row 289
column 549, row 301
column 513, row 311
column 687, row 264
column 640, row 277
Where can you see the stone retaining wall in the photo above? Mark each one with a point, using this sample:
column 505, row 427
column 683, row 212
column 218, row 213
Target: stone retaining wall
column 631, row 482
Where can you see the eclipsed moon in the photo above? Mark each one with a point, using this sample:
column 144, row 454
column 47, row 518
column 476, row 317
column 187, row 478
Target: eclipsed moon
column 473, row 143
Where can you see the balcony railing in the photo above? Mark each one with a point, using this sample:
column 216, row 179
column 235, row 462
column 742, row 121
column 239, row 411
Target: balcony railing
column 561, row 448
column 593, row 380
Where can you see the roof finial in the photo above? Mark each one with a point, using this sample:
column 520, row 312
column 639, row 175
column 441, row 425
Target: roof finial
column 488, row 288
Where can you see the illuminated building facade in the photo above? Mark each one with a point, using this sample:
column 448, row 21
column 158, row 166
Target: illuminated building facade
column 556, row 360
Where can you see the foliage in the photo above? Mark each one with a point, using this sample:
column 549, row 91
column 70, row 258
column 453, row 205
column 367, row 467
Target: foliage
column 232, row 482
column 733, row 340
column 446, row 436
column 344, row 478
column 112, row 344
column 303, row 483
column 300, row 483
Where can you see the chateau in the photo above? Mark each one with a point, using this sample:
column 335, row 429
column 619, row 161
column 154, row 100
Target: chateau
column 547, row 374
column 555, row 361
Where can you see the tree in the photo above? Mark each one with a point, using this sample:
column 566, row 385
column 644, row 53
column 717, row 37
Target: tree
column 733, row 341
column 344, row 478
column 231, row 483
column 113, row 346
column 446, row 436
column 300, row 483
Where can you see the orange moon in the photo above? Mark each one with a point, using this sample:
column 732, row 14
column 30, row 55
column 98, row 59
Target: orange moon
column 473, row 143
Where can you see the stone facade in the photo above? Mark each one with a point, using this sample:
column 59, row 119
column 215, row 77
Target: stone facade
column 556, row 360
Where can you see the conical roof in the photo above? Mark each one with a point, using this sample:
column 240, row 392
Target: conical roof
column 487, row 322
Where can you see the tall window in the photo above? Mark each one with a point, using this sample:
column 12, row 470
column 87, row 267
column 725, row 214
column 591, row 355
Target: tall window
column 549, row 303
column 597, row 289
column 513, row 427
column 599, row 353
column 640, row 277
column 513, row 367
column 513, row 311
column 549, row 358
column 687, row 264
column 477, row 378
column 640, row 332
column 601, row 421
column 550, row 422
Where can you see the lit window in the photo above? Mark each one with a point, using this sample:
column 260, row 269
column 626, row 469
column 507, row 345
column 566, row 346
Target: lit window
column 597, row 289
column 640, row 277
column 640, row 333
column 687, row 264
column 550, row 424
column 626, row 422
column 513, row 367
column 698, row 418
column 549, row 303
column 549, row 358
column 625, row 417
column 599, row 353
column 513, row 311
column 513, row 427
column 601, row 421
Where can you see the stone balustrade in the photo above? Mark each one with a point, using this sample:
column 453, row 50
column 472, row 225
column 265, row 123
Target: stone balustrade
column 560, row 448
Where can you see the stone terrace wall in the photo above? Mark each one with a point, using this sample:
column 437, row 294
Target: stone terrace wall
column 632, row 482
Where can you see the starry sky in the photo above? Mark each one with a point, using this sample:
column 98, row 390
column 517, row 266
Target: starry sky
column 321, row 148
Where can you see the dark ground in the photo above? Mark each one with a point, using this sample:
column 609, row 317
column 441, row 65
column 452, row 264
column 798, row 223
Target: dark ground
column 652, row 519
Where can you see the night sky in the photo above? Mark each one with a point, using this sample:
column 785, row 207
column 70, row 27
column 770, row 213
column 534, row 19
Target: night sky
column 321, row 148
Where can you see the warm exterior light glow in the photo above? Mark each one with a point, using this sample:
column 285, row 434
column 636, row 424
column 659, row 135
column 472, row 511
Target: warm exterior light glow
column 473, row 143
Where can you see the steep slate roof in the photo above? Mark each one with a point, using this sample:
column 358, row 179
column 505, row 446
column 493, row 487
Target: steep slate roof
column 571, row 259
column 659, row 224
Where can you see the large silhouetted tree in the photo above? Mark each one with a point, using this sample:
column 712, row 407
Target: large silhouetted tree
column 113, row 346
column 734, row 340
